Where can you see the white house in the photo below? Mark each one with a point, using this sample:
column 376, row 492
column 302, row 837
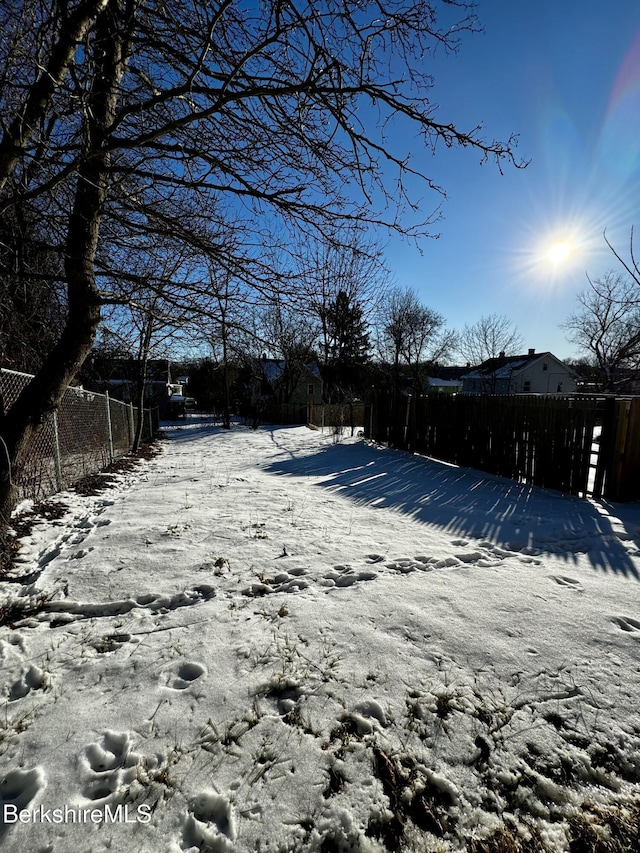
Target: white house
column 533, row 373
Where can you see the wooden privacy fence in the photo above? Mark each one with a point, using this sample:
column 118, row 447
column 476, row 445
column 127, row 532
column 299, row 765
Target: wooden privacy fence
column 586, row 446
column 334, row 415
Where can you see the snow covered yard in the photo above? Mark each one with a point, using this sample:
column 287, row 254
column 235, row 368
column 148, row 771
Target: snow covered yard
column 275, row 641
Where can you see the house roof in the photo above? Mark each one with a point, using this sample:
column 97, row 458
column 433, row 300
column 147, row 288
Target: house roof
column 503, row 367
column 436, row 382
column 273, row 368
column 450, row 373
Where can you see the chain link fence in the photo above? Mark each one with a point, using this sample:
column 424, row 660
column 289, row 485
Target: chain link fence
column 87, row 433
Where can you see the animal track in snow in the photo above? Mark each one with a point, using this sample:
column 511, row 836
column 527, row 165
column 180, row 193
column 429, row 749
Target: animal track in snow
column 110, row 642
column 48, row 556
column 110, row 765
column 80, row 553
column 76, row 535
column 33, row 679
column 282, row 581
column 70, row 611
column 211, row 824
column 366, row 716
column 564, row 580
column 345, row 575
column 484, row 555
column 15, row 644
column 187, row 673
column 18, row 788
column 626, row 623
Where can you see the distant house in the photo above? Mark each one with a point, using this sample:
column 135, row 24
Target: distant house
column 435, row 385
column 445, row 380
column 287, row 383
column 533, row 373
column 627, row 382
column 167, row 396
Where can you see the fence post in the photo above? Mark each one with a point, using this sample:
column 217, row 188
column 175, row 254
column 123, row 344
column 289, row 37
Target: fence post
column 621, row 483
column 630, row 478
column 132, row 424
column 108, row 404
column 150, row 424
column 405, row 431
column 56, row 453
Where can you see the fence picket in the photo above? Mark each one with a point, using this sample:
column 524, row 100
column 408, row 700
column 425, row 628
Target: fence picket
column 545, row 441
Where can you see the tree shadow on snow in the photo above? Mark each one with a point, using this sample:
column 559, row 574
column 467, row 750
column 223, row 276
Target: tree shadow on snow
column 194, row 428
column 470, row 503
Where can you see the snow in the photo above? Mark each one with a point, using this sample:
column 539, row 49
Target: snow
column 282, row 640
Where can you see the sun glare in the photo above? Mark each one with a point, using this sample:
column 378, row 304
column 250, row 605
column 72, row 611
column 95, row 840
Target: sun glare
column 560, row 251
column 556, row 250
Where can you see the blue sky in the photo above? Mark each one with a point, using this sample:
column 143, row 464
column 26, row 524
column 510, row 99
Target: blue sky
column 565, row 76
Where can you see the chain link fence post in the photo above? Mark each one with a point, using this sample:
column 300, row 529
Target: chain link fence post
column 56, row 453
column 87, row 432
column 109, row 426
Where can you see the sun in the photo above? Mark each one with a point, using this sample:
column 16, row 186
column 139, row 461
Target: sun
column 560, row 251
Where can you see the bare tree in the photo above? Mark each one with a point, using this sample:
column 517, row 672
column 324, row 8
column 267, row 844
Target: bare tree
column 226, row 326
column 631, row 266
column 184, row 120
column 348, row 263
column 290, row 339
column 411, row 337
column 32, row 302
column 25, row 147
column 607, row 325
column 342, row 283
column 488, row 338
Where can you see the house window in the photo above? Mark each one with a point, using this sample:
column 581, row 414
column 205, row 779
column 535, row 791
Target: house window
column 310, row 389
column 545, row 366
column 527, row 386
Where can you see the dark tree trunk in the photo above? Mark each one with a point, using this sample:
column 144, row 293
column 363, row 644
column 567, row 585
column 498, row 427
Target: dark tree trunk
column 141, row 379
column 41, row 397
column 140, row 383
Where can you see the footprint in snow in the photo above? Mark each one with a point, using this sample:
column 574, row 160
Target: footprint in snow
column 342, row 576
column 80, row 553
column 110, row 642
column 291, row 580
column 187, row 673
column 48, row 556
column 211, row 824
column 33, row 679
column 364, row 717
column 571, row 583
column 626, row 623
column 18, row 788
column 110, row 765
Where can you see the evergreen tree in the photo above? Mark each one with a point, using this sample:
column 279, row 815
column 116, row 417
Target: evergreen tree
column 347, row 346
